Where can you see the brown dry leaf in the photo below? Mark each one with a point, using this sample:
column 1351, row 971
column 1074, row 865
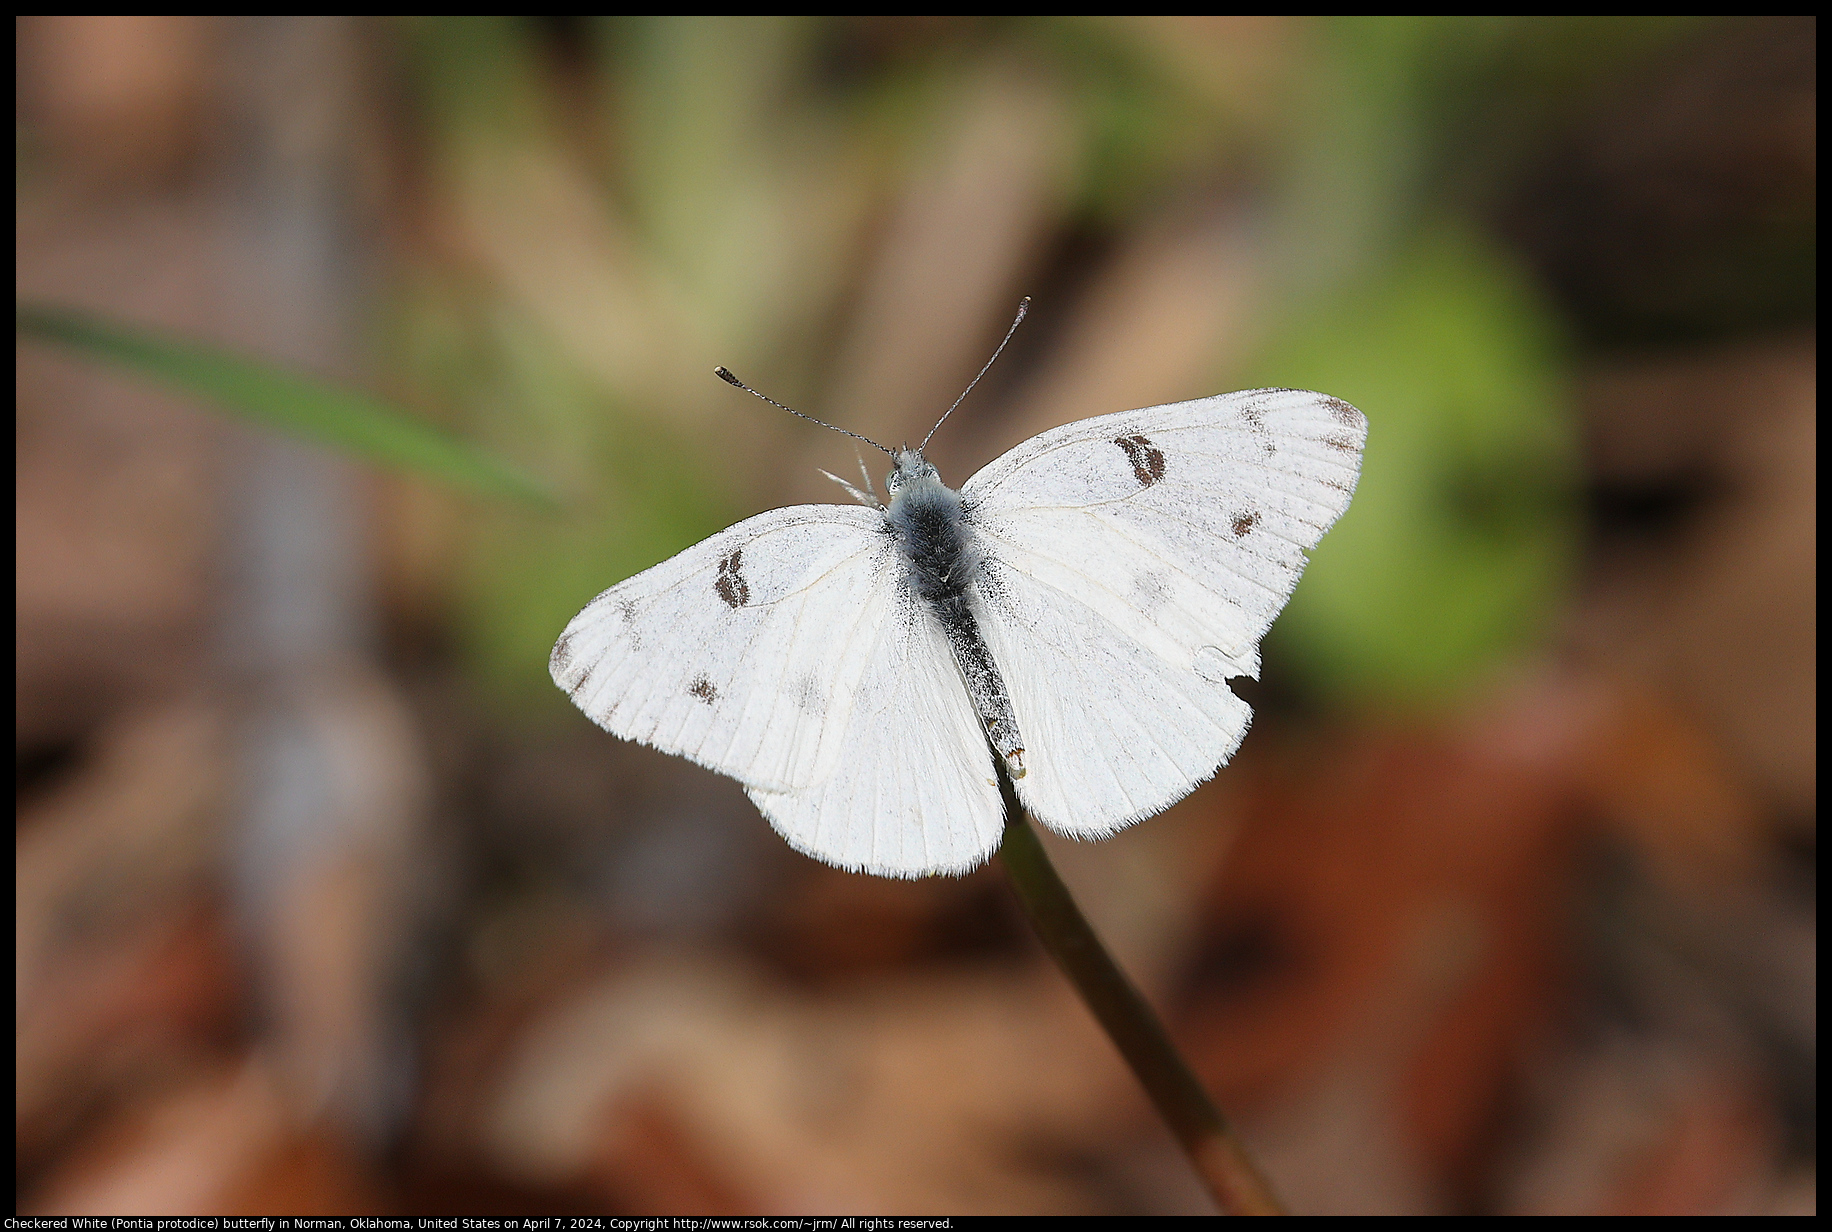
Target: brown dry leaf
column 1337, row 1143
column 119, row 1017
column 315, row 1171
column 824, row 927
column 1651, row 771
column 142, row 821
column 1644, row 1127
column 117, row 955
column 918, row 1095
column 1421, row 874
column 1328, row 877
column 118, row 96
column 656, row 1165
column 1713, row 1160
column 221, row 1145
column 1427, row 883
column 1722, row 617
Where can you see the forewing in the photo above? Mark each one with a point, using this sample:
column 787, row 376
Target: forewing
column 1134, row 562
column 745, row 652
column 914, row 792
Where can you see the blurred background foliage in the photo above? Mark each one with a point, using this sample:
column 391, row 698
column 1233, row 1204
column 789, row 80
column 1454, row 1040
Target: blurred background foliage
column 721, row 178
column 705, row 187
column 1506, row 904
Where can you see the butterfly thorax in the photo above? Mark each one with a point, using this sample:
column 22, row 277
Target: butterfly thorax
column 926, row 517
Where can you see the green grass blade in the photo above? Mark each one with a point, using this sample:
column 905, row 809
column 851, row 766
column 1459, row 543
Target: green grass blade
column 344, row 419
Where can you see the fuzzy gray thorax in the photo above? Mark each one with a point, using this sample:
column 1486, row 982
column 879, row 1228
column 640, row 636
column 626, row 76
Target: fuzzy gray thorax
column 928, row 520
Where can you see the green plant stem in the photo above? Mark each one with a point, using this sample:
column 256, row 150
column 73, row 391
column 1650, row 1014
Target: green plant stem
column 1218, row 1156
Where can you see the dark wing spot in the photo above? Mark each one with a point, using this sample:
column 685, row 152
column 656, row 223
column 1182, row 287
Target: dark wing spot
column 1343, row 413
column 1154, row 461
column 731, row 584
column 1254, row 414
column 1347, row 444
column 561, row 662
column 1147, row 460
column 585, row 678
column 1245, row 521
column 702, row 689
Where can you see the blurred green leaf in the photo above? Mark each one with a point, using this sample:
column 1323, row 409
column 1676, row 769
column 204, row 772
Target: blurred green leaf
column 343, row 419
column 645, row 490
column 1459, row 543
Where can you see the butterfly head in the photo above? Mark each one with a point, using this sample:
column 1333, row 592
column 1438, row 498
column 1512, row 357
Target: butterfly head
column 911, row 468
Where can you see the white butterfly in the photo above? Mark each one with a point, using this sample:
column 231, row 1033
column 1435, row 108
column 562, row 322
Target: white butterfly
column 1078, row 606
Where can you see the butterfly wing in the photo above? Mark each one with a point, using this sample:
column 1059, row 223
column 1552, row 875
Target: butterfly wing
column 916, row 793
column 741, row 652
column 788, row 653
column 1133, row 562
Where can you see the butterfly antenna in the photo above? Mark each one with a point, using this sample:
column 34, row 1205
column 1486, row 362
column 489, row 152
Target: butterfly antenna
column 1023, row 307
column 725, row 374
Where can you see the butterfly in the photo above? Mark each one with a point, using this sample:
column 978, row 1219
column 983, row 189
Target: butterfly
column 1075, row 610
